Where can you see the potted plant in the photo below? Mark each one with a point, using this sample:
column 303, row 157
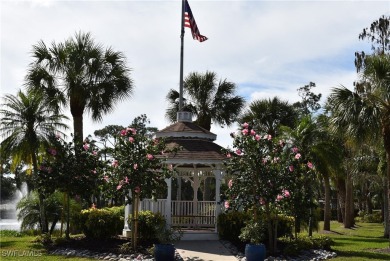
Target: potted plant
column 253, row 233
column 164, row 250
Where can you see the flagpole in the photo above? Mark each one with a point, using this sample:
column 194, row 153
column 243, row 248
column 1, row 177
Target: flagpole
column 181, row 56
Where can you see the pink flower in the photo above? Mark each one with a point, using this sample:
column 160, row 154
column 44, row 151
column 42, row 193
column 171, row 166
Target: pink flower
column 279, row 197
column 295, row 150
column 298, row 156
column 86, row 146
column 230, row 183
column 310, row 165
column 106, row 178
column 245, row 125
column 126, row 179
column 227, row 205
column 269, row 137
column 291, row 168
column 115, row 163
column 119, row 187
column 228, row 155
column 253, row 133
column 262, row 201
column 123, row 132
column 244, row 132
column 137, row 190
column 135, row 166
column 131, row 139
column 149, row 156
column 93, row 171
column 257, row 137
column 286, row 193
column 238, row 152
column 132, row 130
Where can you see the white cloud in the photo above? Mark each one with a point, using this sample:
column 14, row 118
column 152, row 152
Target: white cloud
column 268, row 48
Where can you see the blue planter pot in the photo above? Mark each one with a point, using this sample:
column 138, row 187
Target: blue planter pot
column 255, row 252
column 164, row 252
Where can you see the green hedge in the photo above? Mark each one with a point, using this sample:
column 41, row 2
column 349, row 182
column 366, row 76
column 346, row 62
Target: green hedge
column 231, row 223
column 148, row 224
column 101, row 223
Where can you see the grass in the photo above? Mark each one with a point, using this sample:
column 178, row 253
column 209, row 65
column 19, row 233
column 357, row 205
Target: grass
column 360, row 243
column 20, row 246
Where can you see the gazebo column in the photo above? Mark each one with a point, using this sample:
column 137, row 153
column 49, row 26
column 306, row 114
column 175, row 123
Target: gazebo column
column 218, row 178
column 168, row 203
column 126, row 232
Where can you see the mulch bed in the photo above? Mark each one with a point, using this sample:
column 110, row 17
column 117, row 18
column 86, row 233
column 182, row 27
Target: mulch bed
column 111, row 245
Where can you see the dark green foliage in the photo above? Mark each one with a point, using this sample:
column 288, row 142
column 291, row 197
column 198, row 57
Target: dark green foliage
column 8, row 188
column 29, row 212
column 375, row 217
column 231, row 223
column 294, row 247
column 148, row 224
column 101, row 223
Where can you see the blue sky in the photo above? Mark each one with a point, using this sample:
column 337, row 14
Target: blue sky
column 268, row 48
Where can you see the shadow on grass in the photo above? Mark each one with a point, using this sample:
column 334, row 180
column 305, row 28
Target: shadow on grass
column 8, row 243
column 366, row 255
column 361, row 239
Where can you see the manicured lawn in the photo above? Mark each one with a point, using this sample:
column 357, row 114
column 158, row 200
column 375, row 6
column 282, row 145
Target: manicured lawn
column 23, row 248
column 360, row 243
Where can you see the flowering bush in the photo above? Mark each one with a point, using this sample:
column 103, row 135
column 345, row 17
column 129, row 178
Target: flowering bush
column 138, row 170
column 138, row 164
column 263, row 172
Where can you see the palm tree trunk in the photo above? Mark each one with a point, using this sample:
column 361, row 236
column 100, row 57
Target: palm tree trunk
column 341, row 191
column 42, row 210
column 327, row 211
column 349, row 207
column 78, row 127
column 385, row 208
column 386, row 142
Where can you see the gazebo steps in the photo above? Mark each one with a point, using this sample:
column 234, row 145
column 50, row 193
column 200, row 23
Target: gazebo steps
column 199, row 235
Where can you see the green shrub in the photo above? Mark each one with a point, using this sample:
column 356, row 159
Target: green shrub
column 230, row 225
column 100, row 223
column 375, row 217
column 294, row 247
column 148, row 224
column 285, row 226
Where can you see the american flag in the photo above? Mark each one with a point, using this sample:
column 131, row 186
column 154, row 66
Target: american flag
column 189, row 21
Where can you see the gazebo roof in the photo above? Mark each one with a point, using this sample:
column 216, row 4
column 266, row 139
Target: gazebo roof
column 183, row 129
column 196, row 143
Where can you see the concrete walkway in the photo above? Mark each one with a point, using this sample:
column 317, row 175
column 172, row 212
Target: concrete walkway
column 203, row 250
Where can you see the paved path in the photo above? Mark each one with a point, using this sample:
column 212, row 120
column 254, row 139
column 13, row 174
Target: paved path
column 203, row 250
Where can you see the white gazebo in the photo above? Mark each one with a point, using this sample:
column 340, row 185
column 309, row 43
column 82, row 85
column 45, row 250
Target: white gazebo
column 198, row 159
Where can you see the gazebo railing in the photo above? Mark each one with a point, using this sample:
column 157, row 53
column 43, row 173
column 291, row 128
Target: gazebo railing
column 193, row 213
column 184, row 213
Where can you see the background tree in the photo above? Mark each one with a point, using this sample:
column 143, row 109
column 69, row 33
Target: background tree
column 208, row 99
column 268, row 115
column 310, row 101
column 81, row 74
column 27, row 122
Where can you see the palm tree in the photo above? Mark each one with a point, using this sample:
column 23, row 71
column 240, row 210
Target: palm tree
column 364, row 113
column 269, row 114
column 208, row 99
column 27, row 122
column 314, row 140
column 81, row 74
